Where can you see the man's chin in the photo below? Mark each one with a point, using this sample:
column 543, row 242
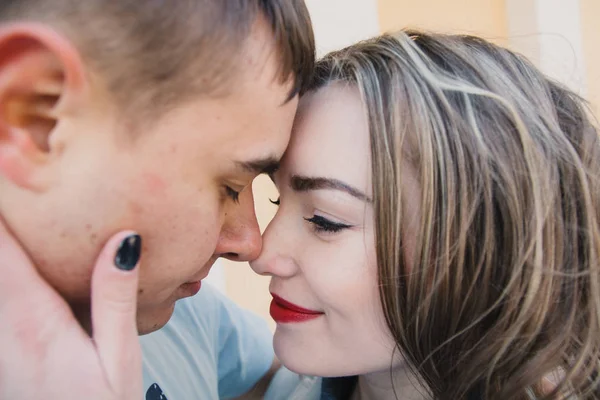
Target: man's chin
column 148, row 321
column 151, row 321
column 189, row 289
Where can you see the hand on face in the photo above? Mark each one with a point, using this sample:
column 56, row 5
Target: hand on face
column 46, row 353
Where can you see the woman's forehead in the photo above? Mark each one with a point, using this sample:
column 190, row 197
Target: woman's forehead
column 331, row 138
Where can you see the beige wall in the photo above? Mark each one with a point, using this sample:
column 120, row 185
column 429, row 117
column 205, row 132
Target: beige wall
column 340, row 23
column 485, row 18
column 590, row 11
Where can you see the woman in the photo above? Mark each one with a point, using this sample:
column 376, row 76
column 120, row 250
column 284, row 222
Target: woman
column 438, row 234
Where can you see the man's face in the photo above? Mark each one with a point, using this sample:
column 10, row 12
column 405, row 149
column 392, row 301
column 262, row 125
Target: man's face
column 175, row 184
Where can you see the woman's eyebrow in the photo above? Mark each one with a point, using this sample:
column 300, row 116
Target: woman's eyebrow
column 305, row 184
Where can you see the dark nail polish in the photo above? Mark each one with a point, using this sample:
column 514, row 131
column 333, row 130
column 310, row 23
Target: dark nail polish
column 129, row 253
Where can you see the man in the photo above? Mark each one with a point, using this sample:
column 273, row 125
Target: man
column 152, row 117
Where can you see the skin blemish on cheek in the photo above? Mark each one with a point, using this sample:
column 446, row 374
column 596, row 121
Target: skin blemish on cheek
column 135, row 208
column 154, row 183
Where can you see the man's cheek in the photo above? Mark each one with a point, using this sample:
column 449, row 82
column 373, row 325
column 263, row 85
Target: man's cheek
column 154, row 184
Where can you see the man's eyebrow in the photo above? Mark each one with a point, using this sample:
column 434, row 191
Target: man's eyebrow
column 267, row 165
column 305, row 184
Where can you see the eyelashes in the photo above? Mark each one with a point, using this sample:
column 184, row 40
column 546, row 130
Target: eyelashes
column 320, row 224
column 234, row 195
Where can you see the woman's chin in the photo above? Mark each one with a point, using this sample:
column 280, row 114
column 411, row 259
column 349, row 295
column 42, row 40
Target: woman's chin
column 294, row 357
column 305, row 358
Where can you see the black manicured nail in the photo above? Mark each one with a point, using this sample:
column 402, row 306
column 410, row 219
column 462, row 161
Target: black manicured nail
column 128, row 253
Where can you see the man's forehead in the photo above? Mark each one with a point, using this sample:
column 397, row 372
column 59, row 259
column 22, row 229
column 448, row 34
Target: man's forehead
column 261, row 165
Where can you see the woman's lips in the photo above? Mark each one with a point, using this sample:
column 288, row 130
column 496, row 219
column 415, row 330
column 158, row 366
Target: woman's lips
column 282, row 311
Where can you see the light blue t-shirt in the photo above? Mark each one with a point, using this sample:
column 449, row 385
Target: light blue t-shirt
column 210, row 349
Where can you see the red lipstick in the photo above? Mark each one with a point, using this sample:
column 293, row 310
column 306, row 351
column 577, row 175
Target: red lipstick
column 282, row 311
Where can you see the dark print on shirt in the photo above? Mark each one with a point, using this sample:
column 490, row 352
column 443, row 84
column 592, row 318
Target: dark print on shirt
column 155, row 393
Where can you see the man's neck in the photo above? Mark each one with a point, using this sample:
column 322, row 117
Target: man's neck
column 398, row 384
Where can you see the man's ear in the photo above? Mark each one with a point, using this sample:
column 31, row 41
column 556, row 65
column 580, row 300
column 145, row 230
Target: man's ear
column 41, row 81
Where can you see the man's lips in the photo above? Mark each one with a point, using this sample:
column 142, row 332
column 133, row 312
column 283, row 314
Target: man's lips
column 283, row 311
column 191, row 288
column 202, row 273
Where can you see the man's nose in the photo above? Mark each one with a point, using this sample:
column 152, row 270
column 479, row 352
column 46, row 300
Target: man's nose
column 240, row 238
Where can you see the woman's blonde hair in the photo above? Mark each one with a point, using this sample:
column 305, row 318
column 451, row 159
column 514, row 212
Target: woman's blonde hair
column 504, row 286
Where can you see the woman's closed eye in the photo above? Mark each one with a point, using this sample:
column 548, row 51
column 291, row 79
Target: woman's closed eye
column 320, row 224
column 324, row 225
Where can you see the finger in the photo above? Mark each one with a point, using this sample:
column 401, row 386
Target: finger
column 114, row 303
column 19, row 278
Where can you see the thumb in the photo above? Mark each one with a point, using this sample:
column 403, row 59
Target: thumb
column 19, row 278
column 114, row 303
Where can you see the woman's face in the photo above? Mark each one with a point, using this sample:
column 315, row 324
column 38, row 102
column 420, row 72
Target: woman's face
column 320, row 247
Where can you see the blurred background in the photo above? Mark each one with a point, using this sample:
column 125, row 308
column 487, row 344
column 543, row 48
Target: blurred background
column 562, row 37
